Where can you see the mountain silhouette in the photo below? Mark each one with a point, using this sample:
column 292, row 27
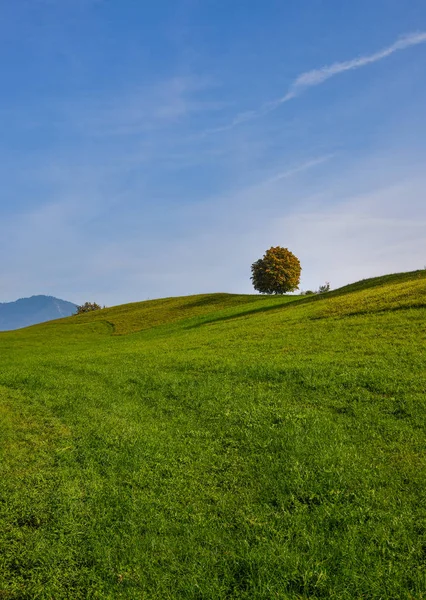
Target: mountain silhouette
column 29, row 311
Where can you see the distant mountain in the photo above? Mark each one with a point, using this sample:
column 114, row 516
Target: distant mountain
column 29, row 311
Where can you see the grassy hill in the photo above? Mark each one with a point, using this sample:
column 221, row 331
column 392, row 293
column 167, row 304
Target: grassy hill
column 219, row 446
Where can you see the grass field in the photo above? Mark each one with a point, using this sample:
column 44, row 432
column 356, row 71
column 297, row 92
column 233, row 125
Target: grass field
column 219, row 447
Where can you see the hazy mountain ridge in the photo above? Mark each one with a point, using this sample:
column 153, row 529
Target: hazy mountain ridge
column 33, row 310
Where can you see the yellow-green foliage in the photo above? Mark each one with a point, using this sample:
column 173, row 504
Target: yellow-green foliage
column 277, row 272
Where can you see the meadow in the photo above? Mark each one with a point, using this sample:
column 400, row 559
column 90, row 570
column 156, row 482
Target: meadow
column 219, row 447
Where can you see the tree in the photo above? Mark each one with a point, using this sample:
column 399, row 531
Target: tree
column 324, row 288
column 277, row 272
column 87, row 307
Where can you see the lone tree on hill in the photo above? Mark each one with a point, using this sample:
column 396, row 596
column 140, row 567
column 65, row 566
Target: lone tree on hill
column 87, row 307
column 277, row 272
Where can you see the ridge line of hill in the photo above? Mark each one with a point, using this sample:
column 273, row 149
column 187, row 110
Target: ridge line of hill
column 378, row 294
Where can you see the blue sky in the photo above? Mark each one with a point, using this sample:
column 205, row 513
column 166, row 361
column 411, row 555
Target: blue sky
column 158, row 149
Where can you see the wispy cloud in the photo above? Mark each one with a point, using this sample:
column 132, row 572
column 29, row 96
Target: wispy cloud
column 341, row 234
column 318, row 76
column 142, row 108
column 300, row 168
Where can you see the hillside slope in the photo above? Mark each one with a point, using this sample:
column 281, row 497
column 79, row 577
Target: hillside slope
column 231, row 447
column 379, row 293
column 138, row 316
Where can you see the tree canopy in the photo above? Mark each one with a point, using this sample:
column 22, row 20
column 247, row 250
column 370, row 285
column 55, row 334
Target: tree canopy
column 277, row 272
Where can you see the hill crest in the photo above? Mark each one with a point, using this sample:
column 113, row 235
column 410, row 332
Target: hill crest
column 389, row 292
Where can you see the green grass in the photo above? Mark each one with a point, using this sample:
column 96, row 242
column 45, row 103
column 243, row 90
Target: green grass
column 219, row 447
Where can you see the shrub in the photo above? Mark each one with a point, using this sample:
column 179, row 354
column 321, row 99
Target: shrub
column 324, row 288
column 87, row 307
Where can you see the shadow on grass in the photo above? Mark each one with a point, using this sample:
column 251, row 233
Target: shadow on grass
column 343, row 291
column 210, row 300
column 376, row 311
column 246, row 313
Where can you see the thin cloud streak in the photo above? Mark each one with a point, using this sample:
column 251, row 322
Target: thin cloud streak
column 318, row 76
column 299, row 169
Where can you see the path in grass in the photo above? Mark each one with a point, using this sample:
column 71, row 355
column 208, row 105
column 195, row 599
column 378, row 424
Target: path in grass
column 246, row 449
